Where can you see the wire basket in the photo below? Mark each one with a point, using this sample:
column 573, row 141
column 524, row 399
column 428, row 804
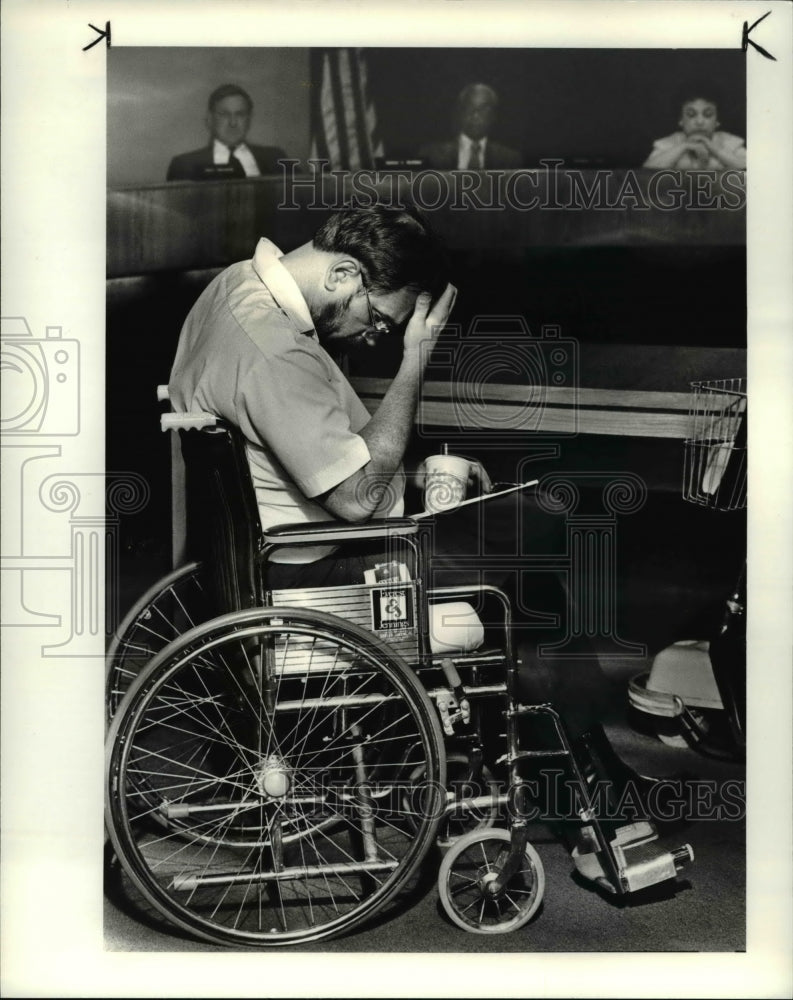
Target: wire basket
column 714, row 472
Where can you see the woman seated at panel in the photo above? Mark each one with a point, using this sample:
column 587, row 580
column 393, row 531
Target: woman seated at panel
column 699, row 144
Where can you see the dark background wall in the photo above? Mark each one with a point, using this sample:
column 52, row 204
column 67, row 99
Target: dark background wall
column 601, row 106
column 157, row 98
column 596, row 104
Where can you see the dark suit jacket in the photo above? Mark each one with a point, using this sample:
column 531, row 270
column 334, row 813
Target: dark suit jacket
column 443, row 156
column 198, row 165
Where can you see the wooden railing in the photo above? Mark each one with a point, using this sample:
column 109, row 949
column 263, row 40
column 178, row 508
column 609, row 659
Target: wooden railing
column 188, row 225
column 632, row 391
column 514, row 409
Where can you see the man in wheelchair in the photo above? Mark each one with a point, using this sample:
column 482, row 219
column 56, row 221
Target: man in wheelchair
column 256, row 352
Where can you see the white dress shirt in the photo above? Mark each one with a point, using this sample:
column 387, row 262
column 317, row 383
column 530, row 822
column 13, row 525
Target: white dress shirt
column 464, row 151
column 221, row 155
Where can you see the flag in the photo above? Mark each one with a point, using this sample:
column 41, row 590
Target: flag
column 343, row 118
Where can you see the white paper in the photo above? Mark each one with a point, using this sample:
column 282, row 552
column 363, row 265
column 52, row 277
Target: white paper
column 53, row 178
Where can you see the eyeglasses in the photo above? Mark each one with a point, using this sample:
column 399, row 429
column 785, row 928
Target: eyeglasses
column 379, row 323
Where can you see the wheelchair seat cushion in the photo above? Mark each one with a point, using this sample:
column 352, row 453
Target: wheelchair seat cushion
column 455, row 628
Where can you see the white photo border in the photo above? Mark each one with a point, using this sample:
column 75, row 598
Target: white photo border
column 53, row 223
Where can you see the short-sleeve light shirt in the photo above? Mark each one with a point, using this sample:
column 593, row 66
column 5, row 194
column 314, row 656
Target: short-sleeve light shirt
column 248, row 353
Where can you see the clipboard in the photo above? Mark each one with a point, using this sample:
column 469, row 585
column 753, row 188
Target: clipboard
column 480, row 499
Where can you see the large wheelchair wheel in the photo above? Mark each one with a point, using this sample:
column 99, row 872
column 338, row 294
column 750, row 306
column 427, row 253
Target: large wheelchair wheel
column 466, row 873
column 256, row 773
column 174, row 605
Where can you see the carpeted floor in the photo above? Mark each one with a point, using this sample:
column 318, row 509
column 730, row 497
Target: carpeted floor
column 705, row 912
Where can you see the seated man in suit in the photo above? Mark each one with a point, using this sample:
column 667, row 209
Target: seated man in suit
column 227, row 154
column 473, row 149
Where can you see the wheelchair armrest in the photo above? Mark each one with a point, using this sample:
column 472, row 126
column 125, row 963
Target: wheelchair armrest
column 187, row 421
column 338, row 531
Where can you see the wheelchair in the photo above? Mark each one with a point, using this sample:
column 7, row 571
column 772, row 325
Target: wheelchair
column 280, row 764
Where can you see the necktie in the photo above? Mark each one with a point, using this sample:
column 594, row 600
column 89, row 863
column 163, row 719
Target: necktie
column 475, row 156
column 234, row 160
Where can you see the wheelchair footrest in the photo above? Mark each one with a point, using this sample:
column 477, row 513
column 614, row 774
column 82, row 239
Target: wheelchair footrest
column 638, row 860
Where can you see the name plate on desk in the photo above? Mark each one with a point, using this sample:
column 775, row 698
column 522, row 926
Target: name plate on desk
column 218, row 172
column 386, row 163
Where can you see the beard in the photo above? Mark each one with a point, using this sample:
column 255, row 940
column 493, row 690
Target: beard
column 328, row 319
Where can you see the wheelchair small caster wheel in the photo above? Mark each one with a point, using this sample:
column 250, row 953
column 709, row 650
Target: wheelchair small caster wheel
column 467, row 877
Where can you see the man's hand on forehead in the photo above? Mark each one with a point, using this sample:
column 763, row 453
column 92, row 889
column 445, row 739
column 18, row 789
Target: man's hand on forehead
column 428, row 320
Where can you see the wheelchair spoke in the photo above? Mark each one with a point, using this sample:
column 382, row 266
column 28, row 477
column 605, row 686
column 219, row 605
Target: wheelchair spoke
column 473, row 890
column 281, row 674
column 256, row 778
column 164, row 613
column 316, row 716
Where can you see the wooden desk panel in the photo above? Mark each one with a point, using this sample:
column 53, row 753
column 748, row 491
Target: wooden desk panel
column 185, row 225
